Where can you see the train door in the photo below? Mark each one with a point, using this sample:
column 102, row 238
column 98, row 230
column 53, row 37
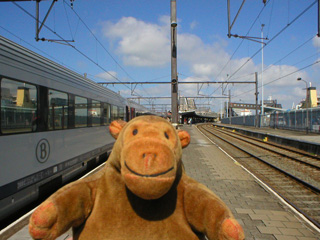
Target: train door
column 133, row 112
column 127, row 113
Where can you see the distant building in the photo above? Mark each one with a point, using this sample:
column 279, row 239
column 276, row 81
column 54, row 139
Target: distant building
column 6, row 98
column 23, row 97
column 187, row 104
column 312, row 100
column 271, row 103
column 245, row 112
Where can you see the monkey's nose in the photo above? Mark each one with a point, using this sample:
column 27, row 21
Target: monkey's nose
column 148, row 158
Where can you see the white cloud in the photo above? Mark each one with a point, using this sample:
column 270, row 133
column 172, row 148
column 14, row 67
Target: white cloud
column 148, row 45
column 283, row 84
column 193, row 25
column 316, row 42
column 208, row 59
column 278, row 75
column 140, row 43
column 110, row 75
column 82, row 64
column 164, row 20
column 144, row 44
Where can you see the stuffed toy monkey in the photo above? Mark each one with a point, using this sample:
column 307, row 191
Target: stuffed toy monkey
column 142, row 193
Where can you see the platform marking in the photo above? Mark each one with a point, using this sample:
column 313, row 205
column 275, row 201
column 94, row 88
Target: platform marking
column 265, row 186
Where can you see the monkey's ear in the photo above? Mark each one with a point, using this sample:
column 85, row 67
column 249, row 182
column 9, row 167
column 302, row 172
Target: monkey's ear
column 116, row 127
column 184, row 138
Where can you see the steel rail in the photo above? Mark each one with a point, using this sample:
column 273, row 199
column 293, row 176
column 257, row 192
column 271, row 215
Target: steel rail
column 306, row 154
column 274, row 151
column 311, row 187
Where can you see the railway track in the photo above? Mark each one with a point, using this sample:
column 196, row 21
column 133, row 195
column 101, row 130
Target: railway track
column 293, row 174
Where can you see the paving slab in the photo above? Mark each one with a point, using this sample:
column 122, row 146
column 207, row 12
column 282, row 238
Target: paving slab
column 261, row 213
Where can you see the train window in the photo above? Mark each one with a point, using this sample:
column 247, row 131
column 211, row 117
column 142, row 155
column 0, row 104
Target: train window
column 114, row 113
column 95, row 113
column 81, row 111
column 18, row 106
column 121, row 113
column 58, row 110
column 106, row 114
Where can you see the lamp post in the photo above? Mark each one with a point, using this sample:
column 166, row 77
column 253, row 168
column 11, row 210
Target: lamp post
column 307, row 103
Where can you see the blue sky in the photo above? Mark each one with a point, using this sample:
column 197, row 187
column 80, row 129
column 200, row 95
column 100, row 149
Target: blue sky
column 131, row 42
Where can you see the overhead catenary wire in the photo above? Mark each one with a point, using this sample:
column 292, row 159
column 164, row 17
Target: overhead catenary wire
column 226, row 82
column 68, row 21
column 39, row 50
column 294, row 50
column 66, row 42
column 99, row 41
column 49, row 56
column 279, row 78
column 74, row 47
column 234, row 77
column 256, row 19
column 287, row 55
column 283, row 29
column 270, row 17
column 311, row 56
column 103, row 47
column 235, row 51
column 274, row 37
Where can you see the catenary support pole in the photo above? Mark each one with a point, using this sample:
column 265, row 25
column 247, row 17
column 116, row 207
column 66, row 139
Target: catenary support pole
column 256, row 119
column 174, row 75
column 318, row 18
column 229, row 108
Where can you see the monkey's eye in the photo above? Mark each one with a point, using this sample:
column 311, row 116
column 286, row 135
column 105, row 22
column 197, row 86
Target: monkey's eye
column 166, row 135
column 135, row 131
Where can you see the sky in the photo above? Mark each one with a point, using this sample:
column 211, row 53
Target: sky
column 129, row 41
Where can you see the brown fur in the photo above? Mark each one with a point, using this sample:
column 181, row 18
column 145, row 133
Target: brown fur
column 142, row 193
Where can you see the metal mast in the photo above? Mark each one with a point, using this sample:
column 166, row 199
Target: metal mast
column 262, row 96
column 174, row 75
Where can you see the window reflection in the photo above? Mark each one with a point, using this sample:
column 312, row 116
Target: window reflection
column 121, row 113
column 58, row 110
column 95, row 113
column 106, row 114
column 114, row 113
column 18, row 106
column 81, row 112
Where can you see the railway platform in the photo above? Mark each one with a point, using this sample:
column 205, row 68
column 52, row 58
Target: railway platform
column 299, row 139
column 262, row 214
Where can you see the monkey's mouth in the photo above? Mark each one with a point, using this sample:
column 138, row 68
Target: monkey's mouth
column 147, row 175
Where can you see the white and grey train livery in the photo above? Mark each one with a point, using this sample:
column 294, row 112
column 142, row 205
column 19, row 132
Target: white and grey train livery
column 53, row 124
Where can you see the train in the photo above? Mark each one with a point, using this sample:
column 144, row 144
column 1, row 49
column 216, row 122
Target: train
column 53, row 124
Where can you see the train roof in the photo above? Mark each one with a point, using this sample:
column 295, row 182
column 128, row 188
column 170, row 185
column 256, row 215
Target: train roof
column 137, row 106
column 21, row 63
column 140, row 109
